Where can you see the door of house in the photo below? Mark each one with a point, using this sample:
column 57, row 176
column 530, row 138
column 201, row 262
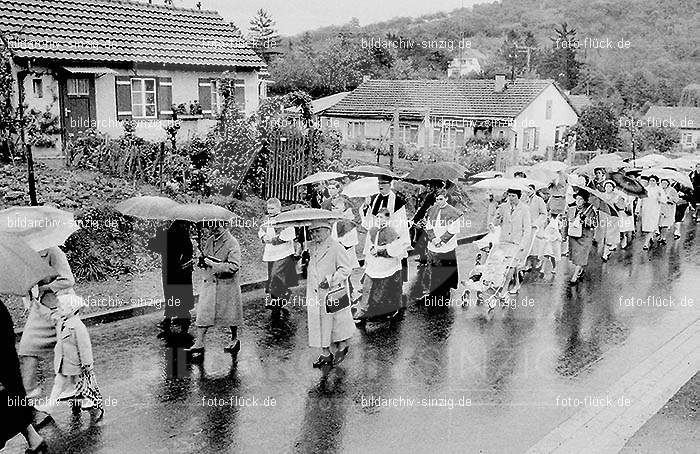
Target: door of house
column 78, row 106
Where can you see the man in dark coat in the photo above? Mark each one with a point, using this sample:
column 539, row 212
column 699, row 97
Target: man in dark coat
column 175, row 248
column 695, row 198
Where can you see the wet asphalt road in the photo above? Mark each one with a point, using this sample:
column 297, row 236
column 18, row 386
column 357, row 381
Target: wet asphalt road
column 461, row 381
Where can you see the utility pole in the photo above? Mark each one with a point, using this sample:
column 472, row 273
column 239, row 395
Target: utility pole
column 395, row 139
column 20, row 109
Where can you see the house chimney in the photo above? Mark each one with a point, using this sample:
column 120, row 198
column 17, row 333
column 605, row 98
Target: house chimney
column 500, row 83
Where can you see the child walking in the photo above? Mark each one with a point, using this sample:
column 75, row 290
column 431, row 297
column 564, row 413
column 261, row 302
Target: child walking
column 73, row 361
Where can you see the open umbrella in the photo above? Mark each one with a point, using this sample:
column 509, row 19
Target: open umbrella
column 371, row 171
column 651, row 160
column 320, row 176
column 146, row 207
column 200, row 212
column 606, row 158
column 611, row 165
column 362, row 187
column 41, row 227
column 627, row 184
column 534, row 173
column 598, row 199
column 21, row 266
column 551, row 166
column 503, row 184
column 486, row 174
column 436, row 171
column 304, row 216
column 668, row 174
column 681, row 164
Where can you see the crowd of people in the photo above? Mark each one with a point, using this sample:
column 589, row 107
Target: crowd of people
column 355, row 261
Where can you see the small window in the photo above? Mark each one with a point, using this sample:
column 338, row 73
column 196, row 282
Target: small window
column 38, row 88
column 548, row 110
column 78, row 87
column 530, row 139
column 687, row 138
column 143, row 98
column 356, row 130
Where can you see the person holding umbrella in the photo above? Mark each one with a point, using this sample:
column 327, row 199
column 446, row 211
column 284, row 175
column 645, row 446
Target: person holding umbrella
column 175, row 248
column 442, row 226
column 695, row 199
column 329, row 317
column 220, row 294
column 611, row 223
column 582, row 222
column 516, row 234
column 279, row 255
column 649, row 209
column 22, row 269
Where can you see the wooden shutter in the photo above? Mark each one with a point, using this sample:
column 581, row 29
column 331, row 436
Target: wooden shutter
column 537, row 139
column 239, row 93
column 205, row 96
column 526, row 138
column 165, row 98
column 123, row 94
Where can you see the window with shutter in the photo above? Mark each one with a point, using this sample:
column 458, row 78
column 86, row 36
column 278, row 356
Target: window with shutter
column 165, row 98
column 123, row 94
column 205, row 96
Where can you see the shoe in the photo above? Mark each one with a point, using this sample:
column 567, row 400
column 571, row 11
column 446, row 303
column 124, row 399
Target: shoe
column 41, row 448
column 645, row 247
column 676, row 236
column 232, row 348
column 96, row 414
column 324, row 361
column 340, row 356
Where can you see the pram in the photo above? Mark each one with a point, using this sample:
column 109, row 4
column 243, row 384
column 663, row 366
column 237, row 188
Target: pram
column 487, row 281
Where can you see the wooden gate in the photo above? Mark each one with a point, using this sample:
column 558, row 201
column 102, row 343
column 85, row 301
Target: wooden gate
column 288, row 163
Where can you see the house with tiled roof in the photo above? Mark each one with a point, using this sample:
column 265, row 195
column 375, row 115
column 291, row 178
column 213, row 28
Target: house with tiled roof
column 683, row 118
column 95, row 63
column 532, row 115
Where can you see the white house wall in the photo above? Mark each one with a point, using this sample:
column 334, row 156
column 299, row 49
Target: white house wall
column 185, row 89
column 534, row 116
column 50, row 100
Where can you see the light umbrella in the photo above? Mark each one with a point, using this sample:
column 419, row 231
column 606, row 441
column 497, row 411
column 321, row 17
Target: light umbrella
column 503, row 184
column 146, row 207
column 200, row 212
column 22, row 267
column 609, row 166
column 668, row 174
column 436, row 171
column 651, row 160
column 684, row 164
column 372, row 171
column 320, row 176
column 486, row 174
column 599, row 199
column 304, row 217
column 41, row 227
column 607, row 158
column 543, row 175
column 362, row 187
column 552, row 166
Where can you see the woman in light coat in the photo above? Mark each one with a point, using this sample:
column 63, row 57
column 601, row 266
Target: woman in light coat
column 329, row 268
column 650, row 209
column 220, row 294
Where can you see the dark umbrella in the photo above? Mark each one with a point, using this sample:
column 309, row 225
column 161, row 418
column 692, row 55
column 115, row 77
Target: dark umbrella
column 436, row 171
column 372, row 171
column 599, row 199
column 627, row 184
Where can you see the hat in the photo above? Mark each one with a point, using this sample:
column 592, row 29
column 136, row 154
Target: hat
column 384, row 179
column 517, row 192
column 611, row 182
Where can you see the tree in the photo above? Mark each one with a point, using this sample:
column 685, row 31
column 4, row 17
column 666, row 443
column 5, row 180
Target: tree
column 263, row 34
column 560, row 62
column 8, row 118
column 518, row 53
column 597, row 129
column 660, row 139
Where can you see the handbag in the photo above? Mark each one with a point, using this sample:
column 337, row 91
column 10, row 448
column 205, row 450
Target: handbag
column 575, row 228
column 337, row 298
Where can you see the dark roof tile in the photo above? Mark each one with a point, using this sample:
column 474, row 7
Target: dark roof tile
column 122, row 31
